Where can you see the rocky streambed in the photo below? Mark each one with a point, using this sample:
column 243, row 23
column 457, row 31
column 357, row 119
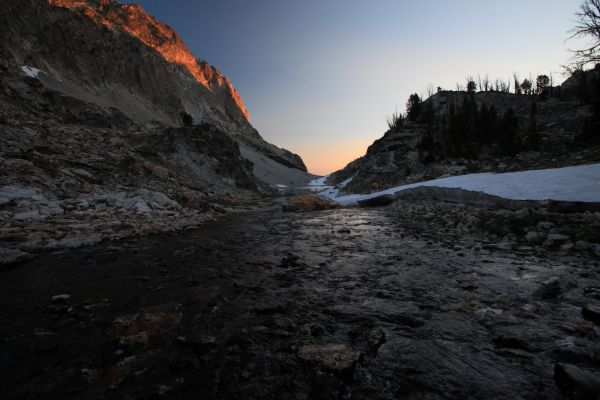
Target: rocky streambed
column 420, row 301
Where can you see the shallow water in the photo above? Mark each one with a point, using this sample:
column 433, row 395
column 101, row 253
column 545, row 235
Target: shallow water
column 222, row 311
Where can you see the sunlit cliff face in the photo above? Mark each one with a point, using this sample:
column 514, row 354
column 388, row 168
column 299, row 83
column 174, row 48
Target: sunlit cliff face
column 131, row 18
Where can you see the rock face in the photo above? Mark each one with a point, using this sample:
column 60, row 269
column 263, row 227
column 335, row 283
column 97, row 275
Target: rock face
column 118, row 57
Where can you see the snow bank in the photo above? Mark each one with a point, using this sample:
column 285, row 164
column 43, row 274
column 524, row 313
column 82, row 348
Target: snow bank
column 578, row 183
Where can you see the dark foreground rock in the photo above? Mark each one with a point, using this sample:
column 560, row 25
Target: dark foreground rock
column 339, row 304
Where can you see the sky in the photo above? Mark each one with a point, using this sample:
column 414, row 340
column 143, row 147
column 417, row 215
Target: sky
column 320, row 77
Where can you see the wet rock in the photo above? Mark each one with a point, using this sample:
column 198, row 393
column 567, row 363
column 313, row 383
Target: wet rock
column 78, row 241
column 376, row 338
column 430, row 367
column 269, row 307
column 582, row 245
column 12, row 256
column 548, row 290
column 555, row 239
column 308, row 202
column 576, row 383
column 593, row 292
column 333, row 357
column 591, row 312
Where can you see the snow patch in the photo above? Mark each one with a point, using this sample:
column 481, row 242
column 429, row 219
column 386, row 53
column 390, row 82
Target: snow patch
column 578, row 183
column 333, row 192
column 319, row 181
column 31, row 71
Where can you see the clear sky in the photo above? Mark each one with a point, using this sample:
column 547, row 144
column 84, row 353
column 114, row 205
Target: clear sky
column 319, row 77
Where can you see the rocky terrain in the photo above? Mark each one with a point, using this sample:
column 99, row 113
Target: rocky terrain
column 147, row 249
column 418, row 300
column 109, row 127
column 419, row 150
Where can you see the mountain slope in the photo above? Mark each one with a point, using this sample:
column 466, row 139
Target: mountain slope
column 115, row 55
column 110, row 127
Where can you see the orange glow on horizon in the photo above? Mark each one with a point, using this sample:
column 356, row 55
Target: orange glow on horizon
column 325, row 158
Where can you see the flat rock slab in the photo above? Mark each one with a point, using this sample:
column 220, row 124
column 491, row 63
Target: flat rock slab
column 334, row 357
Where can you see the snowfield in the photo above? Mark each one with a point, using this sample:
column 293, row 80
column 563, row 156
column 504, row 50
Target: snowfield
column 578, row 183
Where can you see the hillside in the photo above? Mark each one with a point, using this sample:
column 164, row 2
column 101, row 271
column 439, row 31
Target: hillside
column 460, row 132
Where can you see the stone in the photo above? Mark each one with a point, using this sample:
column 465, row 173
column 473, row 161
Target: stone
column 10, row 194
column 555, row 239
column 333, row 357
column 139, row 205
column 591, row 312
column 544, row 226
column 548, row 290
column 582, row 245
column 34, row 214
column 77, row 241
column 160, row 200
column 577, row 383
column 522, row 213
column 534, row 237
column 12, row 256
column 567, row 246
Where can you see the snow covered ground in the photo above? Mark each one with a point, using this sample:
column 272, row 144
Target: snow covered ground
column 578, row 183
